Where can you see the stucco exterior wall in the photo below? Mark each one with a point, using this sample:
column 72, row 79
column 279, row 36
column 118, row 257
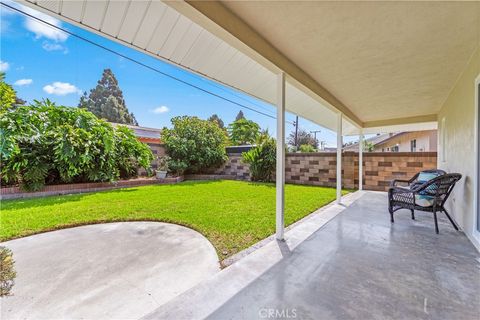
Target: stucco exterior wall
column 456, row 145
column 426, row 141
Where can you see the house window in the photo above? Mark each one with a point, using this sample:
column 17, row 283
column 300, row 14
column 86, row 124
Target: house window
column 413, row 145
column 395, row 149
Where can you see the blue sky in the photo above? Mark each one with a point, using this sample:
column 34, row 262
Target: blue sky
column 43, row 62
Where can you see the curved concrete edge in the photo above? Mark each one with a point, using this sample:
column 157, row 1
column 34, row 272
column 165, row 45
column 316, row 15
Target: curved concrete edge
column 108, row 271
column 93, row 223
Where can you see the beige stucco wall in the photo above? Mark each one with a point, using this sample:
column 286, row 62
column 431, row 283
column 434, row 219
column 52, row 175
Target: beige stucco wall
column 458, row 148
column 426, row 142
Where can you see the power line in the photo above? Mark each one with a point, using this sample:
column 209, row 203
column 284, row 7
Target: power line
column 135, row 61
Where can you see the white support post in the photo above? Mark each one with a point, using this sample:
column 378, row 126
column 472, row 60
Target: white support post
column 280, row 174
column 360, row 161
column 339, row 158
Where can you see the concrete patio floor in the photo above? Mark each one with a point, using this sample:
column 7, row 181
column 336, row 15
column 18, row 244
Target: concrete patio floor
column 105, row 271
column 356, row 266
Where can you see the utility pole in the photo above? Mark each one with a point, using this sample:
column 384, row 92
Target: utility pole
column 322, row 145
column 315, row 133
column 296, row 133
column 315, row 136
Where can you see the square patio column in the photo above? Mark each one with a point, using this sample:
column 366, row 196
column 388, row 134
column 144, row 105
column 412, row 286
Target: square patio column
column 280, row 172
column 360, row 161
column 339, row 158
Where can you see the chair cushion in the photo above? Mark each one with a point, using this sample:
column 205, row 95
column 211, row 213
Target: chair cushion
column 426, row 176
column 423, row 177
column 424, row 201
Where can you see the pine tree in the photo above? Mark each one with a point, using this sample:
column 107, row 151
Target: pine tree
column 215, row 118
column 106, row 101
column 239, row 116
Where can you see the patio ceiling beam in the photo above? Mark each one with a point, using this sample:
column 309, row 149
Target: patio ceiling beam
column 280, row 174
column 248, row 40
column 400, row 121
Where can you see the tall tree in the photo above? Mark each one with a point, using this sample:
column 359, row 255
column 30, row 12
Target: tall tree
column 106, row 101
column 215, row 118
column 243, row 131
column 303, row 137
column 239, row 116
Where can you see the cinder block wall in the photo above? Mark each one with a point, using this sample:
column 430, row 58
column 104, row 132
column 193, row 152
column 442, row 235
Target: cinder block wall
column 158, row 150
column 319, row 168
column 382, row 167
column 234, row 167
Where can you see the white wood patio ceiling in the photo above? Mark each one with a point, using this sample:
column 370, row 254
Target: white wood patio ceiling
column 160, row 31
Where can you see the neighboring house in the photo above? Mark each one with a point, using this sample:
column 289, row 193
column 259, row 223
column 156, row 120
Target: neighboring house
column 415, row 141
column 150, row 136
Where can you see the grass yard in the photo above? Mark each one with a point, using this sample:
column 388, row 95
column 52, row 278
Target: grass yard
column 233, row 215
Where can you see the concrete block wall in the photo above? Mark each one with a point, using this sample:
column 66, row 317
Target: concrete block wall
column 319, row 168
column 158, row 150
column 233, row 167
column 382, row 167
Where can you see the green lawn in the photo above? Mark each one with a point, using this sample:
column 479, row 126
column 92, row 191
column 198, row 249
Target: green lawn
column 232, row 214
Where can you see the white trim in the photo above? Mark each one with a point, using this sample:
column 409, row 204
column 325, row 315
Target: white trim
column 339, row 157
column 443, row 140
column 280, row 176
column 360, row 160
column 476, row 200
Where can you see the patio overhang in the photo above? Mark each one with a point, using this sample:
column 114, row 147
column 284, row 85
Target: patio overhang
column 386, row 64
column 198, row 45
column 352, row 67
column 380, row 64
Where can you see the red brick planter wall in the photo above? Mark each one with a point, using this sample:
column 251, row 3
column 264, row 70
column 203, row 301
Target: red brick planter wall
column 16, row 192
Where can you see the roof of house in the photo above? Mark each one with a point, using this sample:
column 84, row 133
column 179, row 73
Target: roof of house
column 143, row 133
column 378, row 139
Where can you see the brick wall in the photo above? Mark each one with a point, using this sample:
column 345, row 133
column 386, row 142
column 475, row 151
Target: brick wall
column 319, row 168
column 16, row 192
column 233, row 167
column 382, row 167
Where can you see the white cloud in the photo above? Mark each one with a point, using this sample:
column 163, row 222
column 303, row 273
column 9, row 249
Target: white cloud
column 43, row 30
column 23, row 82
column 4, row 66
column 54, row 47
column 161, row 109
column 61, row 88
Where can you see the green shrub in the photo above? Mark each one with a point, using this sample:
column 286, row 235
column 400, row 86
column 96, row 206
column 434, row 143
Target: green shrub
column 307, row 148
column 131, row 153
column 8, row 96
column 194, row 145
column 44, row 144
column 7, row 271
column 243, row 131
column 261, row 159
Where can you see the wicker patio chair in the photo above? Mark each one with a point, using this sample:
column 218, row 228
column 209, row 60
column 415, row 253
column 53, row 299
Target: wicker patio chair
column 417, row 179
column 429, row 196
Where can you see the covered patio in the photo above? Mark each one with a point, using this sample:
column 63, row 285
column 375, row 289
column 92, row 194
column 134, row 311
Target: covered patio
column 355, row 68
column 355, row 266
column 352, row 67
